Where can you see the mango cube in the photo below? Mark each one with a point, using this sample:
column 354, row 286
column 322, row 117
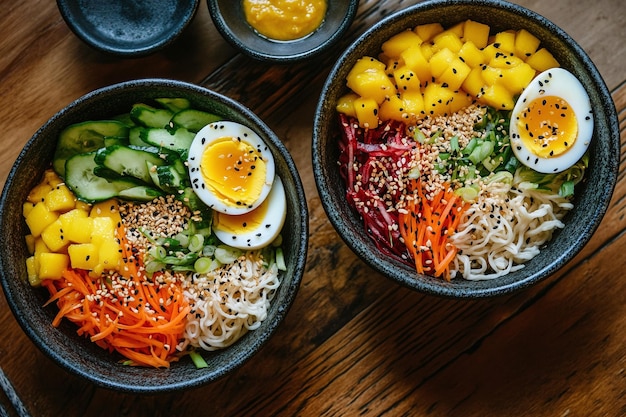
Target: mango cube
column 476, row 32
column 77, row 226
column 428, row 31
column 498, row 97
column 54, row 237
column 39, row 193
column 52, row 265
column 366, row 110
column 394, row 46
column 505, row 41
column 31, row 272
column 455, row 74
column 109, row 254
column 372, row 82
column 415, row 59
column 60, row 198
column 413, row 102
column 525, row 43
column 406, row 79
column 83, row 256
column 448, row 40
column 471, row 54
column 345, row 104
column 542, row 60
column 39, row 218
column 393, row 109
column 474, row 82
column 440, row 61
column 437, row 99
column 102, row 229
column 517, row 78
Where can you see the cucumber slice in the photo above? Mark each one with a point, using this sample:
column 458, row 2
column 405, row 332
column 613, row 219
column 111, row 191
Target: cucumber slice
column 87, row 186
column 134, row 136
column 178, row 140
column 174, row 104
column 193, row 120
column 148, row 116
column 84, row 137
column 127, row 160
column 140, row 193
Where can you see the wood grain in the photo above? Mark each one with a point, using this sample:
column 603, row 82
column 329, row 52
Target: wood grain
column 353, row 343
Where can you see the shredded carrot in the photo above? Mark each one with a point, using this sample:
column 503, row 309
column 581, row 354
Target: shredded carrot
column 138, row 317
column 426, row 228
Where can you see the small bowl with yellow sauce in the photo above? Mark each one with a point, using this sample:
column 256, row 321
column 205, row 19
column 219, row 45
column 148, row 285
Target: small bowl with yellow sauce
column 282, row 30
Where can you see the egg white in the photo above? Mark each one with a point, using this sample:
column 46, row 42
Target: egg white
column 268, row 228
column 209, row 135
column 560, row 83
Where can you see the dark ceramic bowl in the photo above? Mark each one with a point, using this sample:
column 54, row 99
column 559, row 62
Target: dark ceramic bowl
column 77, row 354
column 592, row 196
column 128, row 28
column 228, row 16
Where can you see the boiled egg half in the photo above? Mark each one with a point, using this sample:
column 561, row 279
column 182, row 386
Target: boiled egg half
column 232, row 171
column 552, row 122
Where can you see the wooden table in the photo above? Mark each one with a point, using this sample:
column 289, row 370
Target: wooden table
column 354, row 343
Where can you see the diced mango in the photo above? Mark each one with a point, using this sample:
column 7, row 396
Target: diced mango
column 505, row 41
column 39, row 193
column 30, row 243
column 437, row 98
column 427, row 50
column 498, row 97
column 440, row 61
column 371, row 83
column 109, row 254
column 345, row 104
column 53, row 236
column 455, row 74
column 474, row 82
column 26, row 208
column 108, row 208
column 77, row 226
column 60, row 198
column 31, row 272
column 471, row 54
column 460, row 99
column 365, row 64
column 393, row 109
column 39, row 218
column 81, row 205
column 457, row 29
column 83, row 256
column 476, row 32
column 428, row 31
column 52, row 265
column 415, row 59
column 448, row 40
column 505, row 60
column 517, row 78
column 103, row 229
column 52, row 178
column 366, row 110
column 413, row 103
column 525, row 43
column 406, row 79
column 394, row 46
column 491, row 75
column 542, row 60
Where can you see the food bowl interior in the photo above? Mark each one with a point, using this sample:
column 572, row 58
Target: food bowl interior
column 591, row 200
column 128, row 28
column 62, row 344
column 228, row 17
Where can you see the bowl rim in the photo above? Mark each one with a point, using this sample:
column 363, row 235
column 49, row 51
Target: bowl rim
column 232, row 37
column 424, row 283
column 238, row 358
column 116, row 47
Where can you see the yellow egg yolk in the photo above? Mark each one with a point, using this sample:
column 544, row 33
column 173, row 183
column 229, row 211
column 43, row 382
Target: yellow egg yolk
column 234, row 171
column 548, row 126
column 237, row 224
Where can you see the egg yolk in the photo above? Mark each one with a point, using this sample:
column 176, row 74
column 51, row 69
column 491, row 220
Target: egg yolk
column 234, row 171
column 548, row 126
column 237, row 224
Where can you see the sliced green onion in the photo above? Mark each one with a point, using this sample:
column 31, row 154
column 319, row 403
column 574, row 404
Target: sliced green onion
column 198, row 360
column 196, row 243
column 203, row 265
column 280, row 259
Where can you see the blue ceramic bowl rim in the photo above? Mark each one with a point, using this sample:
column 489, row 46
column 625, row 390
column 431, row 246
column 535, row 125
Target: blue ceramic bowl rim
column 137, row 379
column 124, row 49
column 297, row 54
column 346, row 223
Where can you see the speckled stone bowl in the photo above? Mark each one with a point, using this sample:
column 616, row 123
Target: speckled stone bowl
column 77, row 354
column 128, row 28
column 592, row 197
column 229, row 19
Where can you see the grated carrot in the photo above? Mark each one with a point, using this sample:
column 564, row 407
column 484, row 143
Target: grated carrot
column 144, row 321
column 426, row 228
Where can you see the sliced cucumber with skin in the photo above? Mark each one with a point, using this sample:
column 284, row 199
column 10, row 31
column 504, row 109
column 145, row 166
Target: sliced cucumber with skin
column 140, row 193
column 84, row 137
column 193, row 120
column 148, row 116
column 178, row 140
column 128, row 160
column 134, row 136
column 174, row 104
column 88, row 187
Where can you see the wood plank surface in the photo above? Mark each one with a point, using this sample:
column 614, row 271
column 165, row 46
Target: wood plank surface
column 353, row 343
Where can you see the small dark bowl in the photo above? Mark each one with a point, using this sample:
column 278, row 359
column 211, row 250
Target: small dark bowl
column 128, row 28
column 77, row 354
column 592, row 196
column 228, row 17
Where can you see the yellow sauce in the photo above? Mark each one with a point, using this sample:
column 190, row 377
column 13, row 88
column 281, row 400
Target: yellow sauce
column 285, row 20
